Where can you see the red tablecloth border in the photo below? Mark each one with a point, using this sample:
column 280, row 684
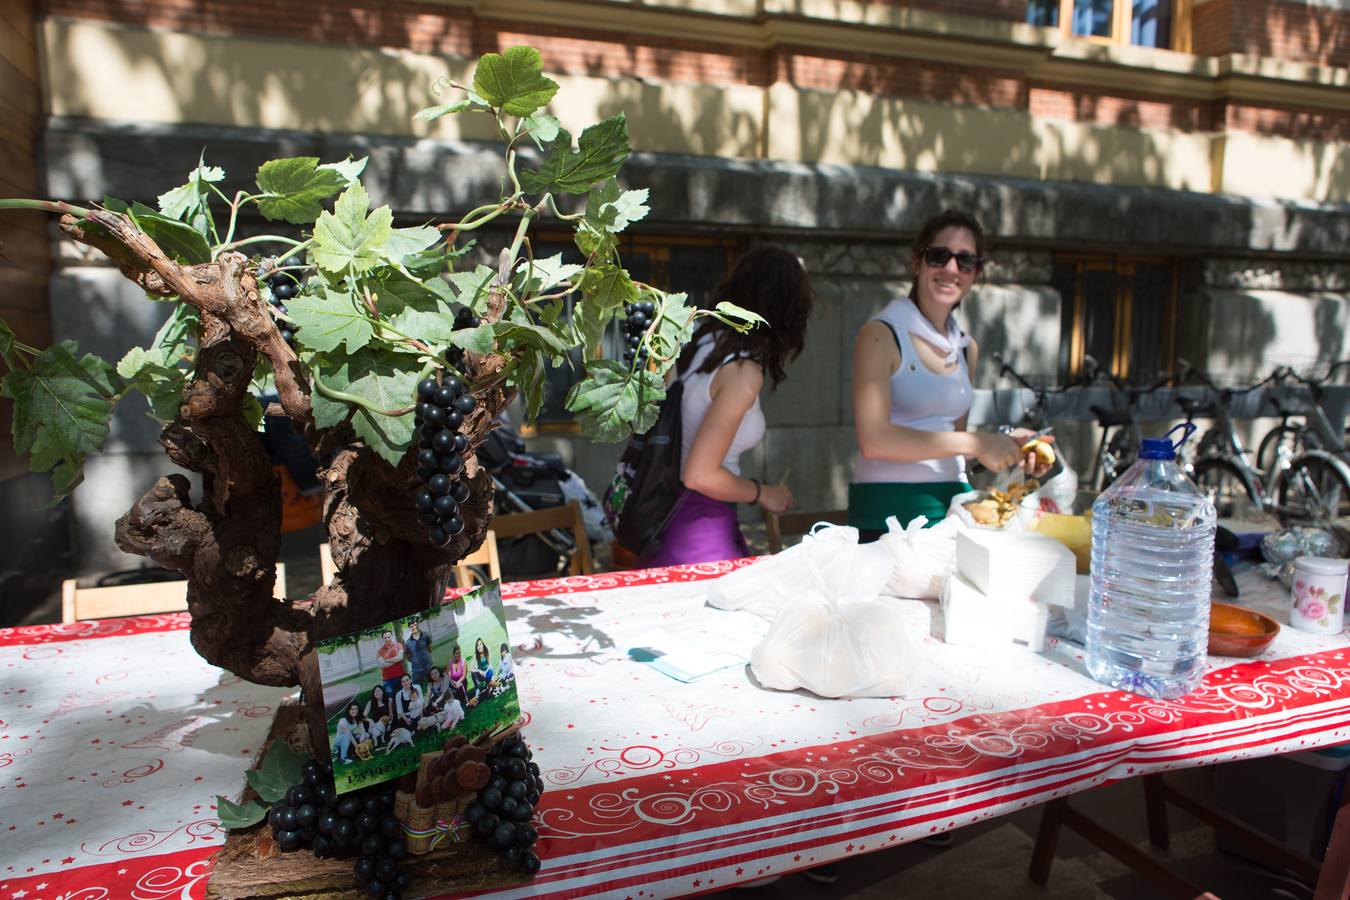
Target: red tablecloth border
column 90, row 629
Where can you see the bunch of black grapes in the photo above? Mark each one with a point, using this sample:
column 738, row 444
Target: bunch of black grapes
column 502, row 811
column 441, row 408
column 464, row 318
column 283, row 286
column 360, row 824
column 637, row 316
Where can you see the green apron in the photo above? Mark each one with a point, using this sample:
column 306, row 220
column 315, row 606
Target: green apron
column 869, row 503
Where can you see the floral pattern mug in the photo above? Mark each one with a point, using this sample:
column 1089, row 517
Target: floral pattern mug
column 1318, row 594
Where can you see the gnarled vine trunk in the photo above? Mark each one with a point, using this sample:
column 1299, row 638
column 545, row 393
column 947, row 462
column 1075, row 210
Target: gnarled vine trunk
column 227, row 543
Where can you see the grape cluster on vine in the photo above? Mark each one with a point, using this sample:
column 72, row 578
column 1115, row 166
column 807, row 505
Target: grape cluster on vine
column 441, row 408
column 464, row 318
column 637, row 316
column 360, row 824
column 501, row 813
column 284, row 283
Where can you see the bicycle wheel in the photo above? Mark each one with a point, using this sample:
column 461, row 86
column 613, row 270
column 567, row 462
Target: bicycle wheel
column 1223, row 484
column 1291, row 437
column 1314, row 489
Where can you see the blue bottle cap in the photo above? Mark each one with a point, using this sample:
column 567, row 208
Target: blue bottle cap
column 1157, row 448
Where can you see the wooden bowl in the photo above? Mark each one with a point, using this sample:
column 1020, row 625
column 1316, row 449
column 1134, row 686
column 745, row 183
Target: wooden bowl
column 1237, row 631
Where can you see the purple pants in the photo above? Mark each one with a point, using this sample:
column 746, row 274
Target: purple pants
column 701, row 530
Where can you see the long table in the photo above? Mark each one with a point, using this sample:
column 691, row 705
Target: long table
column 115, row 736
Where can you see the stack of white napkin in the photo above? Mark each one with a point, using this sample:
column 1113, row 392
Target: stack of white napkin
column 1003, row 584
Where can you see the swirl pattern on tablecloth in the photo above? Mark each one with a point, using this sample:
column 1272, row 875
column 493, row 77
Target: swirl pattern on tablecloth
column 93, row 628
column 983, row 742
column 208, row 830
column 642, row 758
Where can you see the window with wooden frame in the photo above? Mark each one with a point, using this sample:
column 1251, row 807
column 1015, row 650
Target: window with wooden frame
column 1165, row 24
column 692, row 264
column 1121, row 311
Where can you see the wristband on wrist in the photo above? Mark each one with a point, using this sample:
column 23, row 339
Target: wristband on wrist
column 755, row 499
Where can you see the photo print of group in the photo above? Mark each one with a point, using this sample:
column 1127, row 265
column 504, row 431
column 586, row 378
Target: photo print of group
column 396, row 691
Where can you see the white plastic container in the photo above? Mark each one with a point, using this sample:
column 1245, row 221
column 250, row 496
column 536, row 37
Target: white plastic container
column 1317, row 598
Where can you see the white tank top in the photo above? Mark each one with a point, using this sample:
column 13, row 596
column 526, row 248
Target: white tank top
column 921, row 398
column 694, row 406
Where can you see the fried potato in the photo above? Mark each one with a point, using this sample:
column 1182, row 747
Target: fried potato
column 998, row 508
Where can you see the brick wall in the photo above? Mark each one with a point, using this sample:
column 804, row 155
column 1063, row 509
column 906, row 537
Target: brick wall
column 1132, row 111
column 888, row 76
column 25, row 258
column 1220, row 27
column 1285, row 29
column 1007, row 10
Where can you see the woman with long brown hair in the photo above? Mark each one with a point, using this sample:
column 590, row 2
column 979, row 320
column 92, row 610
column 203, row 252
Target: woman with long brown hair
column 723, row 371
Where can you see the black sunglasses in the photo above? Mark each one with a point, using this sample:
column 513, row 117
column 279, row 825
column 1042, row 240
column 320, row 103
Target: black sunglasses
column 937, row 257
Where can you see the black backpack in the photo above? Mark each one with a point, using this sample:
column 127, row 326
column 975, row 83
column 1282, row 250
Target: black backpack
column 641, row 499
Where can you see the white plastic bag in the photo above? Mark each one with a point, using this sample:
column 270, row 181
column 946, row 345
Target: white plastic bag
column 830, row 634
column 785, row 577
column 922, row 558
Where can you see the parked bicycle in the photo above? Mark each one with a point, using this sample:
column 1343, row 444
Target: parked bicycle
column 1313, row 486
column 1121, row 433
column 1293, row 432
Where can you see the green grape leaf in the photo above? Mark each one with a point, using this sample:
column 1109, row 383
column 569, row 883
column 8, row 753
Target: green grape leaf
column 541, row 275
column 608, row 286
column 253, row 411
column 542, row 128
column 471, row 286
column 536, row 337
column 673, row 330
column 404, row 242
column 347, row 239
column 432, row 113
column 513, row 81
column 479, row 339
column 155, row 374
column 62, row 406
column 329, row 316
column 296, row 188
column 597, row 243
column 611, row 402
column 591, row 320
column 415, row 310
column 187, row 202
column 611, row 208
column 733, row 313
column 349, row 168
column 7, row 344
column 236, row 816
column 281, row 767
column 385, row 379
column 177, row 239
column 600, row 152
column 529, row 379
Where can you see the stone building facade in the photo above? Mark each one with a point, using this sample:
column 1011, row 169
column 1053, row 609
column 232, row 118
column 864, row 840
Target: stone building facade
column 1161, row 179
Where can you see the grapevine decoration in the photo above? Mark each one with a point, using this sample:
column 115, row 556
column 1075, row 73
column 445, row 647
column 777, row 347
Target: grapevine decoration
column 376, row 339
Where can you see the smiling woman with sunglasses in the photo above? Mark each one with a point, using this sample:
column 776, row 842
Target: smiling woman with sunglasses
column 912, row 368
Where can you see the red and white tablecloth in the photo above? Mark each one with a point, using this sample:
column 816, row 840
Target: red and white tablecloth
column 115, row 736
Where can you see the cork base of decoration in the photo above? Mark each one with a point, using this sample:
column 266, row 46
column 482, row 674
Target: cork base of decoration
column 251, row 865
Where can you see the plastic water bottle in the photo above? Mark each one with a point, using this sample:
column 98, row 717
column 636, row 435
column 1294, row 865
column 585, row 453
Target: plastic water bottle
column 1152, row 561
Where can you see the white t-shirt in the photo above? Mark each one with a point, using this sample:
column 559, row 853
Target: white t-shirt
column 694, row 406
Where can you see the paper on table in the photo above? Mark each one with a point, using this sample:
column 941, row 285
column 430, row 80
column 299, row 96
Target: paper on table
column 696, row 648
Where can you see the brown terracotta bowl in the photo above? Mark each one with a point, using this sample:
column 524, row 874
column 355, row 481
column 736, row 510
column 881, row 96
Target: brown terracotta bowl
column 1236, row 631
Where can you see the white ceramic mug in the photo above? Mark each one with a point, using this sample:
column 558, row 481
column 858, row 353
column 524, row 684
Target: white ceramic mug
column 1318, row 594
